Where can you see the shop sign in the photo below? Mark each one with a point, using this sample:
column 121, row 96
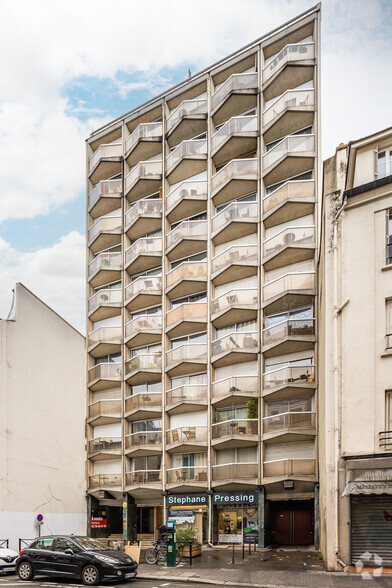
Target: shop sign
column 178, row 500
column 226, row 498
column 98, row 523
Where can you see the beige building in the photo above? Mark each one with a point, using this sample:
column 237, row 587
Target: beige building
column 356, row 349
column 42, row 412
column 203, row 206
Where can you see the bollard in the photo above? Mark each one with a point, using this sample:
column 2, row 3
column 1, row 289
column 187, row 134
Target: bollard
column 249, row 547
column 243, row 548
column 254, row 546
column 232, row 553
column 190, row 554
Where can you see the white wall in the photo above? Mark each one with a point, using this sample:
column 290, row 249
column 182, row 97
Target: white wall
column 107, row 466
column 110, row 430
column 190, row 419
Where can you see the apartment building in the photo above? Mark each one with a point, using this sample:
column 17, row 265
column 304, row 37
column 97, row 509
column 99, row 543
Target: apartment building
column 203, row 206
column 356, row 346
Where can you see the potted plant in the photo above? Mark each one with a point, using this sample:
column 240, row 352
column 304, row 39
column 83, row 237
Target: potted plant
column 185, row 537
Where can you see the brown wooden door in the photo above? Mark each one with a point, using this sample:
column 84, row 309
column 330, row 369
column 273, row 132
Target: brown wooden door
column 302, row 527
column 281, row 527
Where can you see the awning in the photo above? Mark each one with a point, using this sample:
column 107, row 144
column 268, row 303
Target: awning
column 370, row 487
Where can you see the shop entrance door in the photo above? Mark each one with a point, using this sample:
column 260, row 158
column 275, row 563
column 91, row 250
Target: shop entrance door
column 292, row 522
column 145, row 520
column 281, row 527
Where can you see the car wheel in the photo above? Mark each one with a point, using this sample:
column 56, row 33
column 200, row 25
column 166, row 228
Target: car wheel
column 90, row 575
column 25, row 571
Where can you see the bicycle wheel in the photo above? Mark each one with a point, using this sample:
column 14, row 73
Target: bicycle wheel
column 162, row 554
column 178, row 557
column 151, row 556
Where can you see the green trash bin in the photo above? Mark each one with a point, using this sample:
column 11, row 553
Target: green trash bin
column 171, row 544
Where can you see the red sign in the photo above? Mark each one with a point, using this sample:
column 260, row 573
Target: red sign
column 98, row 523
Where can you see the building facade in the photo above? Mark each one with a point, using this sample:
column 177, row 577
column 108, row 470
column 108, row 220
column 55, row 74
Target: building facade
column 203, row 206
column 356, row 347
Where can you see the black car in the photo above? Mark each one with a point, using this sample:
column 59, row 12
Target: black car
column 74, row 556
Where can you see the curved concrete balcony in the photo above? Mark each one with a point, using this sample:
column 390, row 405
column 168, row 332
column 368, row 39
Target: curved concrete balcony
column 105, row 375
column 235, row 433
column 294, row 199
column 297, row 469
column 187, row 120
column 292, row 111
column 234, row 306
column 187, row 278
column 296, row 283
column 235, row 263
column 147, row 478
column 291, row 245
column 145, row 216
column 186, row 359
column 184, row 476
column 291, row 67
column 143, row 330
column 106, row 481
column 235, row 348
column 105, row 304
column 143, row 292
column 188, row 238
column 234, row 389
column 143, row 179
column 144, row 368
column 237, row 220
column 292, row 380
column 104, row 269
column 184, row 439
column 143, row 443
column 288, row 337
column 186, row 200
column 237, row 178
column 186, row 398
column 104, row 340
column 232, row 476
column 105, row 162
column 289, row 426
column 186, row 160
column 104, row 412
column 105, row 197
column 237, row 137
column 104, row 448
column 105, row 233
column 237, row 94
column 190, row 317
column 143, row 143
column 145, row 405
column 292, row 156
column 143, row 255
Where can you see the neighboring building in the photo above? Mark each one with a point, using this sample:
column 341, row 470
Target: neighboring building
column 42, row 414
column 355, row 427
column 202, row 239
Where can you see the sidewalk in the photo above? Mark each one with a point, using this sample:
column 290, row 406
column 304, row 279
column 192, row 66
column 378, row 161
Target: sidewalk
column 264, row 569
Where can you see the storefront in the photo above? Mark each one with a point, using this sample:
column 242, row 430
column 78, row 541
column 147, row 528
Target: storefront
column 149, row 517
column 235, row 517
column 189, row 511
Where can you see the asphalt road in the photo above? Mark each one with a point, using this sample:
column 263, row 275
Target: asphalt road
column 45, row 582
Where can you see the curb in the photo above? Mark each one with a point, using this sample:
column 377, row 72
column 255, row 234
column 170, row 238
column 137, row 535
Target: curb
column 196, row 580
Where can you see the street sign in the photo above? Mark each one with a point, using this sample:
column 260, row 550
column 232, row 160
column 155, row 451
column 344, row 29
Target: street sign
column 40, row 519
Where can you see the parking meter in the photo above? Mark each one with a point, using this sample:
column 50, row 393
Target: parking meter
column 171, row 544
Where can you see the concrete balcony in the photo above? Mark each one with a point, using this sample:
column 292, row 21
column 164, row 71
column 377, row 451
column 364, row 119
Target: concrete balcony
column 186, row 359
column 105, row 197
column 186, row 399
column 292, row 111
column 105, row 233
column 106, row 481
column 143, row 255
column 143, row 330
column 289, row 426
column 298, row 469
column 235, row 433
column 188, row 238
column 236, row 95
column 188, row 120
column 143, row 443
column 234, row 306
column 105, row 162
column 288, row 337
column 298, row 284
column 143, row 179
column 104, row 448
column 145, row 478
column 235, row 263
column 143, row 292
column 143, row 143
column 187, row 476
column 104, row 269
column 104, row 340
column 105, row 304
column 235, row 348
column 237, row 178
column 143, row 368
column 237, row 220
column 145, row 405
column 186, row 160
column 291, row 67
column 289, row 380
column 187, row 278
column 104, row 412
column 292, row 156
column 234, row 390
column 236, row 138
column 145, row 216
column 294, row 199
column 186, row 200
column 186, row 439
column 291, row 245
column 232, row 476
column 105, row 375
column 186, row 319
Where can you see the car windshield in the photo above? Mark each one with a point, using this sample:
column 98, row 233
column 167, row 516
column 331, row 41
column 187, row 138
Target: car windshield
column 91, row 544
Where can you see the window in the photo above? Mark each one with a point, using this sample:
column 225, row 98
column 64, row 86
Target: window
column 190, row 340
column 110, row 358
column 200, row 297
column 289, row 405
column 155, row 348
column 236, row 455
column 252, row 197
column 243, row 327
column 388, row 309
column 197, row 257
column 142, row 426
column 145, row 463
column 384, row 163
column 62, row 544
column 44, row 544
column 229, row 414
column 295, row 314
column 388, row 410
column 195, row 380
column 389, row 237
column 152, row 310
column 144, row 388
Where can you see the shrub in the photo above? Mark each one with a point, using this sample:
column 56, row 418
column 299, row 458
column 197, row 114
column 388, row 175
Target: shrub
column 186, row 536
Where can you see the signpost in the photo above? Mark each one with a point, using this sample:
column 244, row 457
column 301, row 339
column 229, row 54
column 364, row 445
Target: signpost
column 40, row 521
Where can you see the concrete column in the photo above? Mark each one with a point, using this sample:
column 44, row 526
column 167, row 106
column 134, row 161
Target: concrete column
column 129, row 519
column 89, row 500
column 316, row 516
column 261, row 517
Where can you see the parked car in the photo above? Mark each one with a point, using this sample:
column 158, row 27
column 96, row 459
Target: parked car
column 74, row 556
column 7, row 560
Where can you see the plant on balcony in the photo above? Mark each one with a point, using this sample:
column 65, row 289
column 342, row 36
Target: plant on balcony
column 253, row 408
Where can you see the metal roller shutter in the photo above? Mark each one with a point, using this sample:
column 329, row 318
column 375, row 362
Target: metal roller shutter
column 371, row 528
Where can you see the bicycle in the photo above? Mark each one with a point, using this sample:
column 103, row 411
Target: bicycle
column 158, row 553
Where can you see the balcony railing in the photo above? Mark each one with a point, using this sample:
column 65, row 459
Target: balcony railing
column 185, row 434
column 104, row 444
column 236, row 211
column 246, row 342
column 235, row 427
column 292, row 144
column 234, row 298
column 290, row 99
column 236, row 82
column 385, row 440
column 187, row 230
column 151, row 130
column 237, row 255
column 232, row 471
column 105, row 298
column 143, row 362
column 237, row 125
column 388, row 341
column 188, row 148
column 235, row 385
column 148, row 207
column 109, row 188
column 142, row 438
column 143, row 477
column 187, row 269
column 236, row 169
column 145, row 400
column 109, row 224
column 105, row 480
column 105, row 261
column 288, row 328
column 187, row 394
column 105, row 371
column 104, row 407
column 300, row 374
column 146, row 285
column 289, row 237
column 295, row 190
column 290, row 53
column 187, row 352
column 143, row 246
column 289, row 420
column 290, row 281
column 143, row 170
column 143, row 323
column 105, row 334
column 192, row 190
column 186, row 108
column 290, row 467
column 187, row 474
column 104, row 152
column 187, row 311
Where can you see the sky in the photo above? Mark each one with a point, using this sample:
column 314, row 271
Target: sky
column 68, row 67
